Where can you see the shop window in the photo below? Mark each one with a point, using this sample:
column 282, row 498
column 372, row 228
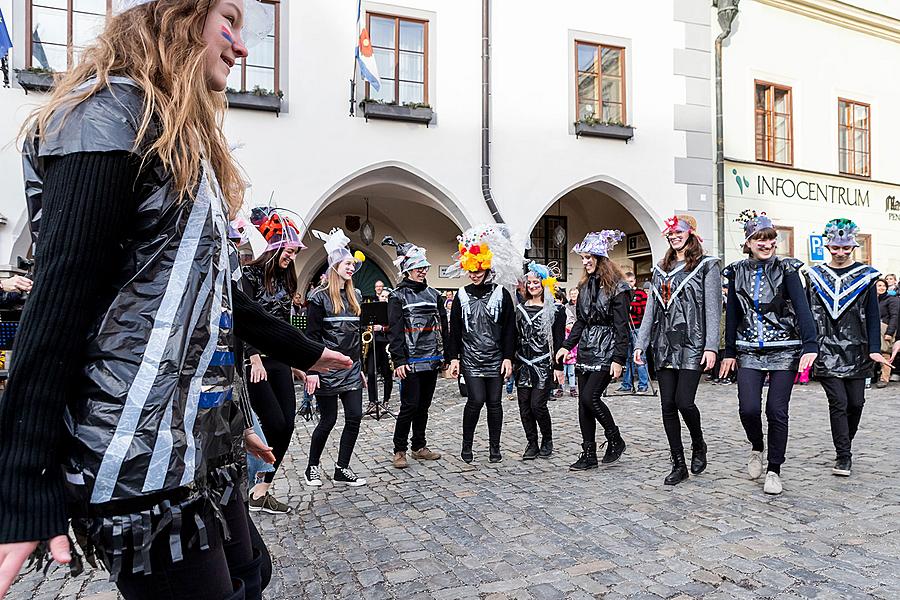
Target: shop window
column 785, row 242
column 549, row 244
column 774, row 123
column 600, row 80
column 400, row 46
column 854, row 141
column 259, row 72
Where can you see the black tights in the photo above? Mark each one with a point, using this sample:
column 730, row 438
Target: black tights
column 328, row 409
column 483, row 390
column 210, row 574
column 534, row 413
column 677, row 389
column 846, row 398
column 275, row 403
column 591, row 407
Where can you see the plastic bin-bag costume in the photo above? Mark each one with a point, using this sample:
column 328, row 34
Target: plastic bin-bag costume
column 152, row 418
column 838, row 304
column 679, row 321
column 534, row 340
column 768, row 338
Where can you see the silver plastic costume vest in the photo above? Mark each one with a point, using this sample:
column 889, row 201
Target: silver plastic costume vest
column 768, row 337
column 340, row 332
column 422, row 323
column 152, row 408
column 838, row 305
column 534, row 356
column 481, row 352
column 679, row 320
column 598, row 339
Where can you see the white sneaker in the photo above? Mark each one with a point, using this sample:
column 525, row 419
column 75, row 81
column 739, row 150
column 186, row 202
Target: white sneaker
column 347, row 476
column 755, row 464
column 312, row 476
column 773, row 483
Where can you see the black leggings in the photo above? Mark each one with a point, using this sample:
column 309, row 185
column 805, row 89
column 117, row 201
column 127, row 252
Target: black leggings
column 750, row 389
column 378, row 356
column 483, row 390
column 591, row 407
column 210, row 574
column 416, row 393
column 534, row 413
column 846, row 398
column 275, row 403
column 328, row 409
column 677, row 390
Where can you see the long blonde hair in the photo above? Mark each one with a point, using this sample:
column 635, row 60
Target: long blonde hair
column 334, row 286
column 160, row 46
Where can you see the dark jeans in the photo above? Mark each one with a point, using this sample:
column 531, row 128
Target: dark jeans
column 275, row 403
column 201, row 574
column 846, row 398
column 591, row 407
column 534, row 413
column 750, row 388
column 677, row 390
column 378, row 357
column 328, row 409
column 416, row 393
column 483, row 390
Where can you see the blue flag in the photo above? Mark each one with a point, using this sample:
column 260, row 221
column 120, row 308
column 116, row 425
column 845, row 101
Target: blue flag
column 5, row 42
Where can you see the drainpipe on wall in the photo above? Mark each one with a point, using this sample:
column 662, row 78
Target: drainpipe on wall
column 486, row 110
column 727, row 11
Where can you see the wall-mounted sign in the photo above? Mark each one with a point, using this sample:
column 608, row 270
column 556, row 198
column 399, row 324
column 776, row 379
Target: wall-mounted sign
column 444, row 271
column 637, row 244
column 816, row 248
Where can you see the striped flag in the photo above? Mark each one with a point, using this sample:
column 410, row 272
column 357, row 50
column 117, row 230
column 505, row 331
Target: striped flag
column 5, row 42
column 368, row 68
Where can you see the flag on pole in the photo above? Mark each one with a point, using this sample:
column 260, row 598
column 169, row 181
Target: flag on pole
column 368, row 68
column 5, row 42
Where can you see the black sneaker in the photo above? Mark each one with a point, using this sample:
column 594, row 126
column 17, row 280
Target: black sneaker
column 587, row 459
column 546, row 449
column 347, row 476
column 841, row 467
column 466, row 454
column 313, row 476
column 494, row 454
column 531, row 451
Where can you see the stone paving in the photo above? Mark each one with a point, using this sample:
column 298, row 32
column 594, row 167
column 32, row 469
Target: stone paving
column 522, row 530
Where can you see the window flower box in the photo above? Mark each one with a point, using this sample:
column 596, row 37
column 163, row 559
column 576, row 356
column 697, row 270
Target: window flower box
column 33, row 80
column 267, row 101
column 421, row 114
column 604, row 130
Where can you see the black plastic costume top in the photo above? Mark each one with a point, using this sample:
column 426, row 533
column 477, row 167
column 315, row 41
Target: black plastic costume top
column 838, row 304
column 340, row 332
column 153, row 404
column 278, row 302
column 678, row 334
column 768, row 337
column 421, row 327
column 535, row 353
column 601, row 338
column 482, row 353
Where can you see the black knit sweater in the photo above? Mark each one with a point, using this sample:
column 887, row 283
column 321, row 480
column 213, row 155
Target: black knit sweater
column 88, row 208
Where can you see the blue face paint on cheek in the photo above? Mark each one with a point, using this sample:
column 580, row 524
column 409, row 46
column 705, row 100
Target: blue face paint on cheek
column 226, row 33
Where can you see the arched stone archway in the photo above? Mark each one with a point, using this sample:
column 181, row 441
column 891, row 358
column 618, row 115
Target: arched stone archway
column 599, row 202
column 400, row 201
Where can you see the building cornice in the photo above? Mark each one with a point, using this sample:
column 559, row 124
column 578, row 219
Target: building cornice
column 843, row 15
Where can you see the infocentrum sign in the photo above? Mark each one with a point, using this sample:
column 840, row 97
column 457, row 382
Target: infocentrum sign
column 774, row 184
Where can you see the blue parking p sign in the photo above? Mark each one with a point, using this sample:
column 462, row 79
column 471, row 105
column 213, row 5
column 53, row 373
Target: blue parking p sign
column 816, row 248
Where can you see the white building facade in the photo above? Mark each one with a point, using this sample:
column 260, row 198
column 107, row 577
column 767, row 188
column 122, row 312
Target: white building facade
column 550, row 66
column 812, row 114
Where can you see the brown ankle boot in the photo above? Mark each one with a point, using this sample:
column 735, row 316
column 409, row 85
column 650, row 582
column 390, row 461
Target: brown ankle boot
column 400, row 460
column 425, row 454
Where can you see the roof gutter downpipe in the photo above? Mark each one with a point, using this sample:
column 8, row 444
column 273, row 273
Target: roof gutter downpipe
column 486, row 111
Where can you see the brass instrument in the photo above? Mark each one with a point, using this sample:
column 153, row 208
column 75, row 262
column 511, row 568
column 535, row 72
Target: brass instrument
column 367, row 337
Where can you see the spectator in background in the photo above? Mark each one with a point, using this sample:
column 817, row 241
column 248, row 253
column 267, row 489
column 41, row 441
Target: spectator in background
column 569, row 364
column 891, row 280
column 379, row 287
column 14, row 291
column 297, row 305
column 638, row 305
column 889, row 309
column 448, row 300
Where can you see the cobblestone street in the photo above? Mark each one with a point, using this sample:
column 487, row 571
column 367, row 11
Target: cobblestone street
column 534, row 530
